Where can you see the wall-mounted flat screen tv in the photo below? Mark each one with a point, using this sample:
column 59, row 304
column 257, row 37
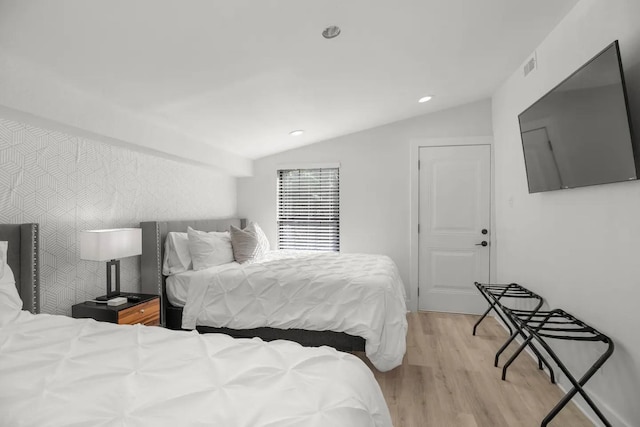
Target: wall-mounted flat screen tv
column 579, row 133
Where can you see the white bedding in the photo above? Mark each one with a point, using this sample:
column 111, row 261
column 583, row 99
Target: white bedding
column 58, row 371
column 359, row 294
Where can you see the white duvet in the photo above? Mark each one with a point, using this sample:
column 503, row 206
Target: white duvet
column 359, row 294
column 58, row 371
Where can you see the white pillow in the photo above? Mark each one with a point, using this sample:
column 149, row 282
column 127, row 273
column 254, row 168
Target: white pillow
column 10, row 302
column 209, row 249
column 177, row 258
column 249, row 244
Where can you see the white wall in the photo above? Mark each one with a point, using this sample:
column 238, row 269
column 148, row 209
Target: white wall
column 375, row 179
column 30, row 93
column 578, row 248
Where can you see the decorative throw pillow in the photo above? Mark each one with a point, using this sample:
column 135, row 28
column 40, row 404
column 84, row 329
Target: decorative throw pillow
column 262, row 238
column 177, row 258
column 209, row 249
column 10, row 302
column 249, row 244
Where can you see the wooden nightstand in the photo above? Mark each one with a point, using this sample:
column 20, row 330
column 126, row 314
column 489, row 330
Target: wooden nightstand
column 145, row 311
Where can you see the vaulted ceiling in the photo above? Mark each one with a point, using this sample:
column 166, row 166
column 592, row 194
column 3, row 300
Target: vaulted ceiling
column 224, row 81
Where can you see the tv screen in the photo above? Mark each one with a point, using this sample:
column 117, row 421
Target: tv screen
column 579, row 133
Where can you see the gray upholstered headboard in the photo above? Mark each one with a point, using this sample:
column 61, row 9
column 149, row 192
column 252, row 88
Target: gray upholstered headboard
column 153, row 235
column 24, row 260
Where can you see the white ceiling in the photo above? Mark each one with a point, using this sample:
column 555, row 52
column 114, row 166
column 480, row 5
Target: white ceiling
column 236, row 76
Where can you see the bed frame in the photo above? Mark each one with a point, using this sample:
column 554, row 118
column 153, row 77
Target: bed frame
column 23, row 258
column 154, row 282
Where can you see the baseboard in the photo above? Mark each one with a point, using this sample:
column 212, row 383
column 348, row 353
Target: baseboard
column 612, row 416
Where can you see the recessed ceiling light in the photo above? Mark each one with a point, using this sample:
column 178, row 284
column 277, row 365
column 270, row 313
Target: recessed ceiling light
column 331, row 32
column 425, row 99
column 296, row 132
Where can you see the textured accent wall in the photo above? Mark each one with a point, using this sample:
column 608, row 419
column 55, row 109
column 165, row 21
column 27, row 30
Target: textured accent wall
column 66, row 184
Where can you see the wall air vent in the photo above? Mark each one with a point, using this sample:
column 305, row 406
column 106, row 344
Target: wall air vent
column 530, row 65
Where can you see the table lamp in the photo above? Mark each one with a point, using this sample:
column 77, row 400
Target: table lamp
column 110, row 245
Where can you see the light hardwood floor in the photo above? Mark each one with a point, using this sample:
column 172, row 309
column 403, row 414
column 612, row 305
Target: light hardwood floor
column 447, row 379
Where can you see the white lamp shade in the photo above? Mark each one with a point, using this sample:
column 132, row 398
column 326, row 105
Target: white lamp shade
column 105, row 245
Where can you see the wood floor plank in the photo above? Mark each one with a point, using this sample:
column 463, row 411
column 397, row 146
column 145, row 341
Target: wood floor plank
column 448, row 379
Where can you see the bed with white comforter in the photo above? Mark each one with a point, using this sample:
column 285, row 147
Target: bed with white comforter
column 359, row 294
column 58, row 371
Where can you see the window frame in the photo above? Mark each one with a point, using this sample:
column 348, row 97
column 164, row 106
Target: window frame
column 327, row 224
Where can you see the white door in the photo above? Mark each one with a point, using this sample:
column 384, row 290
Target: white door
column 454, row 221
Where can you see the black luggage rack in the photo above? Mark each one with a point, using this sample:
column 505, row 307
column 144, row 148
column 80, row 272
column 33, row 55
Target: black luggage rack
column 495, row 295
column 560, row 325
column 541, row 326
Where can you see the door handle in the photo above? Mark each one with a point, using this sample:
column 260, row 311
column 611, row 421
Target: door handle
column 483, row 243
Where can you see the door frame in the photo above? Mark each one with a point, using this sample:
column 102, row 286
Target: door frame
column 416, row 144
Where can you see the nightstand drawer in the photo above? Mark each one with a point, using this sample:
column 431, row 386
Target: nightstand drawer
column 147, row 313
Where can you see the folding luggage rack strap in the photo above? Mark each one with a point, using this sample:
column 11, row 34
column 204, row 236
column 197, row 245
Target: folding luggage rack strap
column 560, row 325
column 494, row 294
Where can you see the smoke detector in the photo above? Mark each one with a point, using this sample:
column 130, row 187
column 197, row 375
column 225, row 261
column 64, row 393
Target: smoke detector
column 331, row 32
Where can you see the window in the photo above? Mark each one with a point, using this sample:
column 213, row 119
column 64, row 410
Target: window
column 309, row 209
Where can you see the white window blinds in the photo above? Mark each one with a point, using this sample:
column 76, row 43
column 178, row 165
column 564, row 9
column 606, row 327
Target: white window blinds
column 309, row 209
